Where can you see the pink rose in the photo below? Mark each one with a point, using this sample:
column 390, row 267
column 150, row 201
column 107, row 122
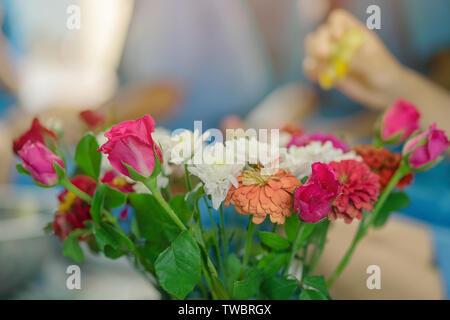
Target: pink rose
column 312, row 201
column 131, row 142
column 399, row 122
column 38, row 160
column 303, row 139
column 426, row 147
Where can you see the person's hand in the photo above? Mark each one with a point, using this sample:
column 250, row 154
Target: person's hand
column 372, row 70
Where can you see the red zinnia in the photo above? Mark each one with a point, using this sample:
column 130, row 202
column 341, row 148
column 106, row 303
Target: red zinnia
column 359, row 190
column 384, row 163
column 73, row 211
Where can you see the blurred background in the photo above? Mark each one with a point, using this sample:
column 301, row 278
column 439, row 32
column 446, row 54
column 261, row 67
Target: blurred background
column 207, row 60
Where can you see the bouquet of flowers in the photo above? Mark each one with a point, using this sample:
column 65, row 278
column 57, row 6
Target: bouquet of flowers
column 124, row 196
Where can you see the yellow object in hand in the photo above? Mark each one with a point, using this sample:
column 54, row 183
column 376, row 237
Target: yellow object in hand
column 339, row 61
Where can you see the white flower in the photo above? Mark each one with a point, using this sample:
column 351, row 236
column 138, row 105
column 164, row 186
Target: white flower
column 105, row 164
column 163, row 138
column 252, row 151
column 185, row 145
column 215, row 173
column 285, row 138
column 298, row 160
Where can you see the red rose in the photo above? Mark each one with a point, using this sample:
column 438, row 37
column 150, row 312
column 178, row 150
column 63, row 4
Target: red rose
column 93, row 118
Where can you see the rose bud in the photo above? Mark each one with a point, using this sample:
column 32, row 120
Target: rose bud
column 37, row 133
column 425, row 148
column 38, row 160
column 93, row 118
column 131, row 142
column 312, row 201
column 399, row 122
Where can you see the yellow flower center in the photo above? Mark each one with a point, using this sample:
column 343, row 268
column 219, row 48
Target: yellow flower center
column 68, row 200
column 119, row 182
column 255, row 177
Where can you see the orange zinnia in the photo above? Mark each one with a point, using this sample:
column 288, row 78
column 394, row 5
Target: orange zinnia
column 262, row 195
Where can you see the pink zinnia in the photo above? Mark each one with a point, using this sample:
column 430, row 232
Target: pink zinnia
column 359, row 190
column 304, row 139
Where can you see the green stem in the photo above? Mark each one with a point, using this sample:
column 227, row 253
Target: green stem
column 187, row 178
column 222, row 232
column 215, row 236
column 152, row 186
column 294, row 247
column 248, row 242
column 79, row 193
column 399, row 174
column 168, row 192
column 208, row 280
column 318, row 250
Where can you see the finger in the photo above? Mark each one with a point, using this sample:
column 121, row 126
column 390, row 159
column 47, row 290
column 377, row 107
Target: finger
column 310, row 68
column 322, row 43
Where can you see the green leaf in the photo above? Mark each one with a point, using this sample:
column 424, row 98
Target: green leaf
column 105, row 238
column 21, row 169
column 233, row 269
column 396, row 201
column 219, row 288
column 148, row 253
column 272, row 263
column 279, row 288
column 153, row 223
column 247, row 288
column 112, row 253
column 178, row 267
column 97, row 203
column 48, row 229
column 311, row 295
column 87, row 156
column 106, row 235
column 193, row 196
column 114, row 198
column 273, row 240
column 157, row 167
column 180, row 207
column 291, row 227
column 134, row 174
column 314, row 288
column 72, row 248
